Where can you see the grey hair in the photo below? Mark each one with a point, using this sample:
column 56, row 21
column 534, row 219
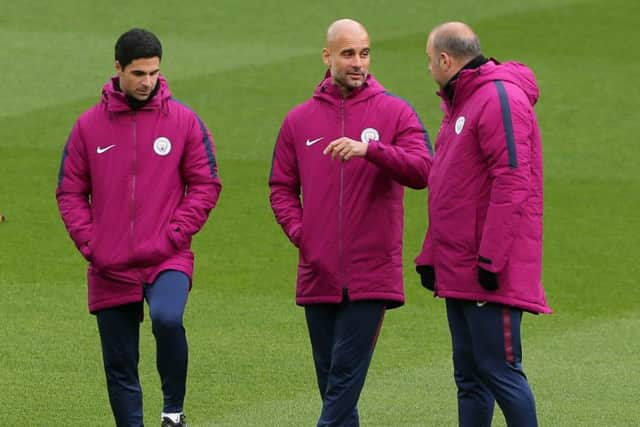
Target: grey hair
column 456, row 45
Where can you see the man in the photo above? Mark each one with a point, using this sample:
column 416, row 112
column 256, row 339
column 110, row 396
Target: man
column 483, row 248
column 340, row 163
column 138, row 179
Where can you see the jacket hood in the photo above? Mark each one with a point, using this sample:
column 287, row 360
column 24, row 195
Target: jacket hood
column 116, row 100
column 513, row 72
column 328, row 91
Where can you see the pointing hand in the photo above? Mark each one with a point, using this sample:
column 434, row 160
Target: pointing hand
column 346, row 148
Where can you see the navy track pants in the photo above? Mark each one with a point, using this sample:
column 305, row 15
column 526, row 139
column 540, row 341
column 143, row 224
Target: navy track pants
column 487, row 362
column 119, row 329
column 343, row 337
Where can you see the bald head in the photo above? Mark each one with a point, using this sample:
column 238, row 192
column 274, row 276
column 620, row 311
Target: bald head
column 344, row 28
column 346, row 54
column 456, row 39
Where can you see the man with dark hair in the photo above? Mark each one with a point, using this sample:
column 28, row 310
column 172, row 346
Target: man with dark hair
column 349, row 151
column 137, row 43
column 483, row 248
column 138, row 179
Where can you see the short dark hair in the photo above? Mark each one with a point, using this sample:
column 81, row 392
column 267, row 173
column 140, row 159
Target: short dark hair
column 137, row 43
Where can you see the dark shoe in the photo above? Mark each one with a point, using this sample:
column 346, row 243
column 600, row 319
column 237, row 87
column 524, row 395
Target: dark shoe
column 166, row 422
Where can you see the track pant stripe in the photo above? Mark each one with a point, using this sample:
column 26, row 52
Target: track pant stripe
column 506, row 326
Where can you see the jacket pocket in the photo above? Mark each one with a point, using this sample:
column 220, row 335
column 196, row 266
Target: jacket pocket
column 178, row 237
column 108, row 250
column 156, row 250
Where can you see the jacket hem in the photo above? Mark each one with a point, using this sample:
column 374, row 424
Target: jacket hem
column 94, row 307
column 496, row 299
column 393, row 300
column 186, row 269
column 318, row 300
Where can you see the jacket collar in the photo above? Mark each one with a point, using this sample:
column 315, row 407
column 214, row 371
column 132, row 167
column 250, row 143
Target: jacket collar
column 117, row 101
column 449, row 90
column 471, row 79
column 328, row 91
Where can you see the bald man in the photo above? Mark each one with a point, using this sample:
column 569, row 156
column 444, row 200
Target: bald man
column 483, row 248
column 340, row 165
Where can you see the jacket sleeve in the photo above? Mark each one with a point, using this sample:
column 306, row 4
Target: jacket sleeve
column 504, row 133
column 73, row 191
column 199, row 169
column 408, row 160
column 284, row 183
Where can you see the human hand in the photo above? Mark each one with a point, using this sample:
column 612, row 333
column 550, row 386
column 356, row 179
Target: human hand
column 487, row 279
column 427, row 276
column 346, row 148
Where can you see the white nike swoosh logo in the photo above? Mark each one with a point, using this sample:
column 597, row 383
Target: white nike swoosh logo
column 100, row 150
column 480, row 303
column 313, row 141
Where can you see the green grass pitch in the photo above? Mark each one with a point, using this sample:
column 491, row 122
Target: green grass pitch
column 241, row 66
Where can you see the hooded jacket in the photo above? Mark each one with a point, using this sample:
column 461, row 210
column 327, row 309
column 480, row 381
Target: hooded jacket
column 134, row 187
column 346, row 218
column 485, row 190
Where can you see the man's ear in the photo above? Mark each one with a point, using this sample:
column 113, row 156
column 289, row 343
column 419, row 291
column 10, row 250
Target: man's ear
column 325, row 56
column 444, row 61
column 118, row 67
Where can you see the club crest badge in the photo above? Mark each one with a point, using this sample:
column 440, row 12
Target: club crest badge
column 369, row 134
column 162, row 146
column 459, row 125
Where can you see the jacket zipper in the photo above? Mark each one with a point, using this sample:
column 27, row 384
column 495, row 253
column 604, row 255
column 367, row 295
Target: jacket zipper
column 343, row 274
column 446, row 121
column 133, row 186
